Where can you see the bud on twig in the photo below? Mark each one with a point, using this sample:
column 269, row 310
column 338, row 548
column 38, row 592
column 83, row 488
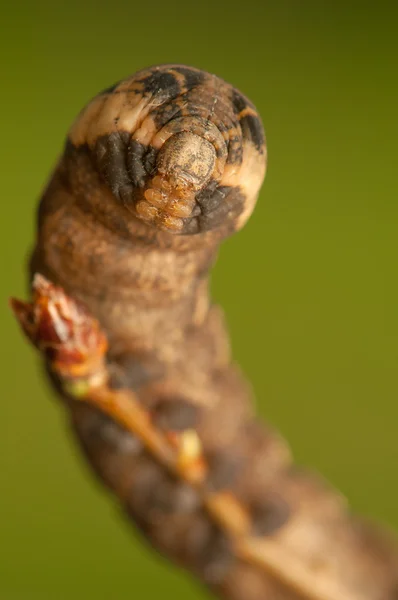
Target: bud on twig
column 61, row 328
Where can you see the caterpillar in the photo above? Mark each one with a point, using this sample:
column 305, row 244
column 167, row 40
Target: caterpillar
column 156, row 171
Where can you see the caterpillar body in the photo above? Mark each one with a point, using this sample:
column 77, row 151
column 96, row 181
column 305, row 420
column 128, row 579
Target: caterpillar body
column 157, row 171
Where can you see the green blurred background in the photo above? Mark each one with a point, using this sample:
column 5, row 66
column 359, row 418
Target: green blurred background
column 309, row 287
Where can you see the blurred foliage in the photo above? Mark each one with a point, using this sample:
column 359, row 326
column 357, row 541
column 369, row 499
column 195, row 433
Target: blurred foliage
column 309, row 287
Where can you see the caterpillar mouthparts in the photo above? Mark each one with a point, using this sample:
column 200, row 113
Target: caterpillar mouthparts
column 185, row 164
column 181, row 149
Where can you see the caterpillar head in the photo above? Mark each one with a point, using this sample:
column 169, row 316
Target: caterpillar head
column 183, row 150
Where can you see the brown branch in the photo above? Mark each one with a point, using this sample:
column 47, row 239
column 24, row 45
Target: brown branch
column 75, row 348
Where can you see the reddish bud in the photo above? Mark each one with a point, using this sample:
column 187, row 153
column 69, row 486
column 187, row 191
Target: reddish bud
column 61, row 328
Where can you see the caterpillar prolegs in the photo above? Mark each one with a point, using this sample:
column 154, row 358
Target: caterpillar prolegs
column 157, row 171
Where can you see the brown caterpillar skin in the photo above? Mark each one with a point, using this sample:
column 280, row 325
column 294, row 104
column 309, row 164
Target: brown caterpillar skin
column 156, row 171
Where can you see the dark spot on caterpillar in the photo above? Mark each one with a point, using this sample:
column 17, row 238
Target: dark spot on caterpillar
column 224, row 467
column 235, row 150
column 97, row 430
column 172, row 497
column 215, row 204
column 210, row 197
column 130, row 373
column 175, row 414
column 252, row 128
column 193, row 78
column 239, row 101
column 191, row 226
column 69, row 148
column 110, row 156
column 270, row 515
column 213, row 219
column 225, row 202
column 154, row 495
column 163, row 84
column 136, row 162
column 164, row 113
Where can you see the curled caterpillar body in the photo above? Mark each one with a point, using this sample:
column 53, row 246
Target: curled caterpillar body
column 156, row 172
column 180, row 148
